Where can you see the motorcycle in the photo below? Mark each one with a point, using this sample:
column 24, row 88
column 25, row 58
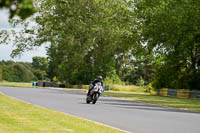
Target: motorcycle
column 94, row 93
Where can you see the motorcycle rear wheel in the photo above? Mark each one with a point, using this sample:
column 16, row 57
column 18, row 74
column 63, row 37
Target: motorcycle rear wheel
column 88, row 100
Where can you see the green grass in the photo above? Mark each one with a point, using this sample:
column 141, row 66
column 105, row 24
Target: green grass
column 187, row 104
column 128, row 88
column 19, row 117
column 16, row 84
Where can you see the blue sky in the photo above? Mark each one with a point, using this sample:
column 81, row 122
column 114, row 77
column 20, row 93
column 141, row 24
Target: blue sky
column 5, row 50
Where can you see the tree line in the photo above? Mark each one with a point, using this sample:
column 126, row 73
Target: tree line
column 24, row 71
column 156, row 41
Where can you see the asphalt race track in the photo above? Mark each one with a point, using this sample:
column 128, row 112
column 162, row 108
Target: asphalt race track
column 132, row 116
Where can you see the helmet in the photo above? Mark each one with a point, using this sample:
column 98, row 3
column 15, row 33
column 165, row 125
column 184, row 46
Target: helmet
column 100, row 78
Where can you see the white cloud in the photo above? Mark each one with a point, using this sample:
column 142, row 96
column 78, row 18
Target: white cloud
column 4, row 19
column 5, row 50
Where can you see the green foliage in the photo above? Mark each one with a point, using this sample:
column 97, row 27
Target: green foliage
column 171, row 30
column 39, row 74
column 85, row 37
column 151, row 39
column 21, row 8
column 55, row 80
column 1, row 73
column 24, row 71
column 27, row 65
column 140, row 81
column 88, row 33
column 24, row 74
column 113, row 78
column 138, row 68
column 16, row 72
column 40, row 63
column 40, row 67
column 9, row 73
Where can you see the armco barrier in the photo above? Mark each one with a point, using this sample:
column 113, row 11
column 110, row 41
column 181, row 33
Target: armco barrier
column 172, row 93
column 49, row 84
column 107, row 88
column 79, row 86
column 71, row 86
column 85, row 86
column 75, row 86
column 195, row 94
column 164, row 92
column 180, row 93
column 183, row 93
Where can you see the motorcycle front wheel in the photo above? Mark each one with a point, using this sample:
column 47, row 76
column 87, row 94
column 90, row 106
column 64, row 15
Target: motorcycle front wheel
column 95, row 97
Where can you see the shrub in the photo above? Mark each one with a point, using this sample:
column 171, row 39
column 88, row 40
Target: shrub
column 140, row 81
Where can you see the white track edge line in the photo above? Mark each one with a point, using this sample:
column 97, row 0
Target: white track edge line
column 68, row 114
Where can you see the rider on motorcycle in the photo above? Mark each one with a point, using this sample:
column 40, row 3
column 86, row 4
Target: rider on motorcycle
column 99, row 79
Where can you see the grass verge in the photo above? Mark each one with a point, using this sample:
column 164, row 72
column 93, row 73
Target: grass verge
column 128, row 88
column 16, row 84
column 187, row 104
column 19, row 117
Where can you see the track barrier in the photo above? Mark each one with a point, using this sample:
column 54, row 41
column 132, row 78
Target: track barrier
column 179, row 93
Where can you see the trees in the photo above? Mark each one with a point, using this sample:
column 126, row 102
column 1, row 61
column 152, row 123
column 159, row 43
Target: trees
column 40, row 67
column 170, row 29
column 1, row 73
column 40, row 63
column 22, row 74
column 84, row 36
column 24, row 71
column 117, row 38
column 16, row 72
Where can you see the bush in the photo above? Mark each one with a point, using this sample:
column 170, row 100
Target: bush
column 113, row 81
column 140, row 81
column 113, row 78
column 40, row 75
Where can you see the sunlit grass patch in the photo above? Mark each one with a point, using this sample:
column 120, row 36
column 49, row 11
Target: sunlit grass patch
column 128, row 88
column 19, row 117
column 15, row 84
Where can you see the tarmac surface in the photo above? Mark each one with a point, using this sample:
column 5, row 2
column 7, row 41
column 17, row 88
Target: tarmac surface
column 131, row 116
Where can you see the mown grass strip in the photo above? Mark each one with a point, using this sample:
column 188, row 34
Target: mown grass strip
column 129, row 88
column 19, row 117
column 187, row 104
column 16, row 84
